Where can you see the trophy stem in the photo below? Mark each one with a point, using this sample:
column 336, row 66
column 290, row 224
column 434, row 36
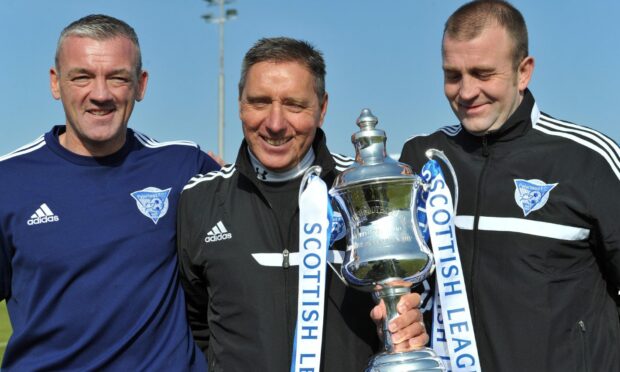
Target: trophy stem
column 390, row 296
column 423, row 359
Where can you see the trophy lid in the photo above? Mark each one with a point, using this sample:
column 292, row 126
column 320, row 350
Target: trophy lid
column 372, row 164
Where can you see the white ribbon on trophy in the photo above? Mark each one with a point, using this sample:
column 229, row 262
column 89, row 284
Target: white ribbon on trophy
column 453, row 332
column 314, row 229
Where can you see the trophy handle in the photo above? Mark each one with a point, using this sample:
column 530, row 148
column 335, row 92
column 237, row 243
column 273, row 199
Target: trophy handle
column 432, row 153
column 418, row 187
column 314, row 170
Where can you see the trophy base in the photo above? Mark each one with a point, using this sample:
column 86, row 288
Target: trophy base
column 422, row 360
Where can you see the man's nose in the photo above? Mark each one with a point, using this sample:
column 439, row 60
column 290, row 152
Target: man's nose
column 469, row 88
column 101, row 91
column 276, row 121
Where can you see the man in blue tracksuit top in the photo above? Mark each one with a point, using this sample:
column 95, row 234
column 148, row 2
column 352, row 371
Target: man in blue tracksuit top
column 87, row 222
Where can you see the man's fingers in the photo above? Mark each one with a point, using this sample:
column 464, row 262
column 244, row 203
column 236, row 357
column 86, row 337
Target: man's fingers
column 410, row 338
column 407, row 302
column 403, row 320
column 378, row 312
column 218, row 159
column 407, row 325
column 407, row 329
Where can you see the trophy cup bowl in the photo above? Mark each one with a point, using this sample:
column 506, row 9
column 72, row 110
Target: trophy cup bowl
column 386, row 253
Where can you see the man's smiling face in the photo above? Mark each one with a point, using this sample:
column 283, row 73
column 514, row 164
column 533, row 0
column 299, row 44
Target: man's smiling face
column 280, row 113
column 481, row 81
column 98, row 84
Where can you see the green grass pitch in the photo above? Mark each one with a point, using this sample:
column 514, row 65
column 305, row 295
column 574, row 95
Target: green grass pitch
column 5, row 328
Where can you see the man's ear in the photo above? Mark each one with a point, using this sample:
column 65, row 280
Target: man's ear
column 55, row 83
column 323, row 109
column 525, row 71
column 142, row 82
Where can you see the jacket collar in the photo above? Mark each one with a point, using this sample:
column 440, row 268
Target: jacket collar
column 264, row 174
column 53, row 142
column 322, row 157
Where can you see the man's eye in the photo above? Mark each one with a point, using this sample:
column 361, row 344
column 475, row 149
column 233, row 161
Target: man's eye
column 259, row 104
column 119, row 79
column 451, row 76
column 80, row 78
column 295, row 107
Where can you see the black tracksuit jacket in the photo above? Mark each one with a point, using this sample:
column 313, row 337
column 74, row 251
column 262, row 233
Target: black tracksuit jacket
column 542, row 266
column 243, row 314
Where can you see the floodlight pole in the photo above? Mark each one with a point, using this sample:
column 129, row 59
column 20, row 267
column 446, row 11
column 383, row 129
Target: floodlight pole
column 223, row 17
column 220, row 123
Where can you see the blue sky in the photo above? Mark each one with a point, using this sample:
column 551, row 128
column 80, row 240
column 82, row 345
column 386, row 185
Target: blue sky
column 384, row 55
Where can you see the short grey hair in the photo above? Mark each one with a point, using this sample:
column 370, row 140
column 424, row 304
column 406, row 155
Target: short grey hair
column 100, row 27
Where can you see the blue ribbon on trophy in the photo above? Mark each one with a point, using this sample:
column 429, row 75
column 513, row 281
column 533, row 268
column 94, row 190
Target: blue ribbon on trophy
column 453, row 333
column 338, row 228
column 315, row 228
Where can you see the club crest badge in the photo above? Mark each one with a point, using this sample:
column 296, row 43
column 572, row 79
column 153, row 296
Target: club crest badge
column 152, row 202
column 531, row 195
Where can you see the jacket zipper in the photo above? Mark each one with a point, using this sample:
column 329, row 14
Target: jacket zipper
column 285, row 266
column 485, row 146
column 293, row 231
column 474, row 266
column 285, row 300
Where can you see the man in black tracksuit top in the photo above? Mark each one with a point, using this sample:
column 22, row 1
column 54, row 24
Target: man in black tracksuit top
column 238, row 230
column 251, row 318
column 538, row 220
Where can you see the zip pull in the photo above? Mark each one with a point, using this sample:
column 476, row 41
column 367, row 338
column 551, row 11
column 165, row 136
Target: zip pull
column 285, row 263
column 582, row 325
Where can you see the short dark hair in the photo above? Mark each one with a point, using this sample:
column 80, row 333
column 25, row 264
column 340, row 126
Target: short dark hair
column 284, row 49
column 468, row 21
column 100, row 27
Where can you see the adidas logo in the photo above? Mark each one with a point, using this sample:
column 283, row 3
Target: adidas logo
column 217, row 233
column 42, row 215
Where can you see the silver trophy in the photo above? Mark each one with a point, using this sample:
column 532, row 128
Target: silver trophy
column 386, row 253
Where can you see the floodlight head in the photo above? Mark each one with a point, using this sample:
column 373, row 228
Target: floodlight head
column 231, row 13
column 217, row 2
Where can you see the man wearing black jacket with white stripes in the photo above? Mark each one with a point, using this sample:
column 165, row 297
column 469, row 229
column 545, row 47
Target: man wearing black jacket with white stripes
column 538, row 222
column 238, row 234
